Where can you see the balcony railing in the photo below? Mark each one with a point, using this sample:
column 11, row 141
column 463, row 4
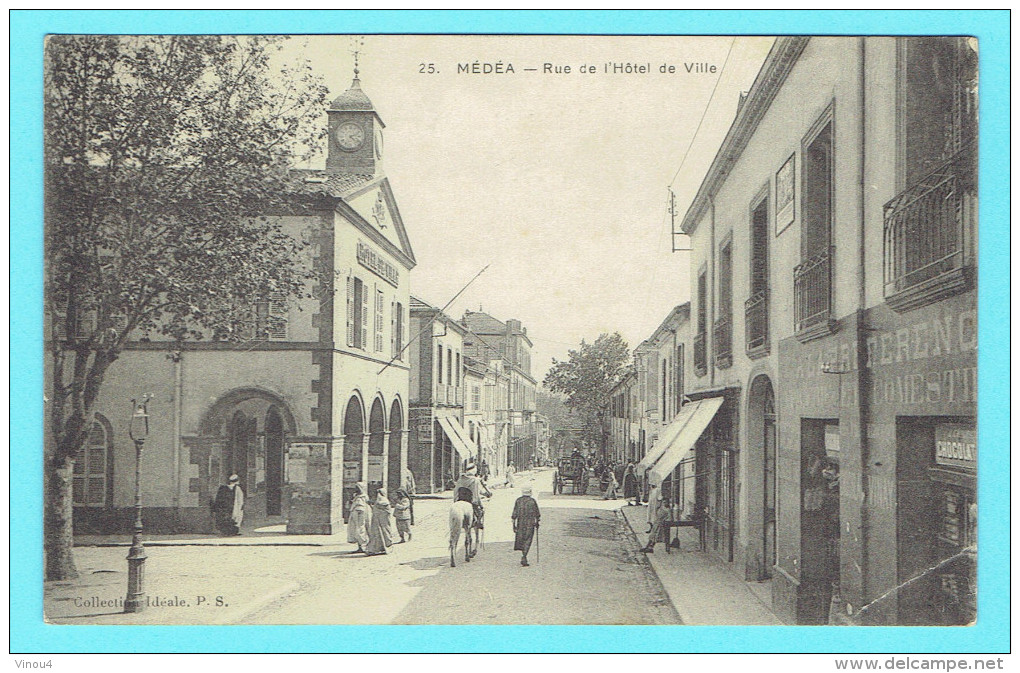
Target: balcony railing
column 722, row 341
column 927, row 230
column 700, row 354
column 812, row 291
column 756, row 321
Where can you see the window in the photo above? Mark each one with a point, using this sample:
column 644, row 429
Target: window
column 812, row 278
column 663, row 403
column 379, row 302
column 678, row 386
column 357, row 313
column 476, row 398
column 89, row 487
column 456, row 381
column 439, row 363
column 271, row 317
column 756, row 308
column 929, row 226
column 700, row 354
column 723, row 337
column 449, row 366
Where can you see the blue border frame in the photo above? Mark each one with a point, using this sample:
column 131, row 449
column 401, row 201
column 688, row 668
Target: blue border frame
column 29, row 634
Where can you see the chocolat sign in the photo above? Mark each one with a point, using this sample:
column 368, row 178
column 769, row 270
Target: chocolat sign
column 956, row 445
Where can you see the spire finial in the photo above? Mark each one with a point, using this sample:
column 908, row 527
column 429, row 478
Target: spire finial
column 357, row 43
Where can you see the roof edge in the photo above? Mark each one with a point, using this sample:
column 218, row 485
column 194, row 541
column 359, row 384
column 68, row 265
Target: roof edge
column 777, row 66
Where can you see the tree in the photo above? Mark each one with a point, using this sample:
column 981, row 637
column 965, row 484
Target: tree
column 164, row 157
column 587, row 378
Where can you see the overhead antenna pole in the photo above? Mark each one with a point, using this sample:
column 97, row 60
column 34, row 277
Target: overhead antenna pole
column 672, row 220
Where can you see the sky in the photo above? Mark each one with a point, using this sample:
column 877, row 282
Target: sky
column 557, row 181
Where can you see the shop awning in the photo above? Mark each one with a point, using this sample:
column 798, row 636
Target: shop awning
column 700, row 415
column 666, row 438
column 453, row 430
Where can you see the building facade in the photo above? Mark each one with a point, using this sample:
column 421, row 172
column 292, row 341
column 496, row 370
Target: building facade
column 310, row 402
column 487, row 398
column 440, row 443
column 491, row 339
column 841, row 211
column 624, row 419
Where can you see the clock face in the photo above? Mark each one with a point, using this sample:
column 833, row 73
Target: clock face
column 378, row 144
column 350, row 136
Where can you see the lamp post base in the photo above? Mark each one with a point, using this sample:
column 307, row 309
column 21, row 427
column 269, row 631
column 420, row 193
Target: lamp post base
column 136, row 599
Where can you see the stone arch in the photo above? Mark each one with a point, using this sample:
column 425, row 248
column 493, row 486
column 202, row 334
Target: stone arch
column 394, row 464
column 244, row 432
column 376, row 445
column 761, row 482
column 354, row 446
column 214, row 420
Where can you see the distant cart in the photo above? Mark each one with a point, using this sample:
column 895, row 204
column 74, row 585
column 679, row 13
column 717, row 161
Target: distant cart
column 572, row 470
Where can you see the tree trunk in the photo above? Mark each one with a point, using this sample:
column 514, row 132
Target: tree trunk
column 59, row 529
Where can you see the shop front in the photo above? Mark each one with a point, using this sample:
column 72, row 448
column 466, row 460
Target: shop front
column 923, row 397
column 716, row 460
column 877, row 470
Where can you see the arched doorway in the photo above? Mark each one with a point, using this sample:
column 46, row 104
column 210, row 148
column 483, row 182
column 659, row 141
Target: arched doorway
column 354, row 437
column 274, row 462
column 762, row 469
column 244, row 433
column 395, row 469
column 242, row 449
column 376, row 447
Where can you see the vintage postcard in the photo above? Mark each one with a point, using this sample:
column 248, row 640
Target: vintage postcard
column 452, row 329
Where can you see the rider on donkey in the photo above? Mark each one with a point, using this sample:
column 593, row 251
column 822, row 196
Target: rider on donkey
column 469, row 487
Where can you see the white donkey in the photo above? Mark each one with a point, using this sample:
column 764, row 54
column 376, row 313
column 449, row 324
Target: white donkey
column 462, row 518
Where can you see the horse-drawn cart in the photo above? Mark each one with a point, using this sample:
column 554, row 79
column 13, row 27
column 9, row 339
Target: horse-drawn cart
column 571, row 470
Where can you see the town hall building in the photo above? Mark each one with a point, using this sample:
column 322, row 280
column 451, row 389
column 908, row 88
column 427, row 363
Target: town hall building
column 312, row 403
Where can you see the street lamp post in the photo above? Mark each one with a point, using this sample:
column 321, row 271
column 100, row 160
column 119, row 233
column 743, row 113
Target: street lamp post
column 138, row 430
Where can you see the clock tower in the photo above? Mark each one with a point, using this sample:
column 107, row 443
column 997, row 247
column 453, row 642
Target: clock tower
column 355, row 133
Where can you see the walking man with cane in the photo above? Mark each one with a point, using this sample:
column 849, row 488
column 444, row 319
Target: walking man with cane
column 525, row 518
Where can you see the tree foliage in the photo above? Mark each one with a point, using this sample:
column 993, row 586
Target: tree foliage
column 164, row 158
column 587, row 378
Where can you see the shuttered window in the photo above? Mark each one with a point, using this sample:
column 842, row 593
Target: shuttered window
column 351, row 303
column 358, row 312
column 396, row 330
column 276, row 321
column 365, row 312
column 379, row 301
column 393, row 329
column 89, row 486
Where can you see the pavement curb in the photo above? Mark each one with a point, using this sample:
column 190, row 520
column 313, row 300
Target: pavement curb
column 684, row 619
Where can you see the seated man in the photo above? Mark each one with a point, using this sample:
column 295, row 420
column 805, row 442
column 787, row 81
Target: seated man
column 470, row 488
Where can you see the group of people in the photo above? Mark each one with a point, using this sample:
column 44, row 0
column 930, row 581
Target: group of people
column 615, row 475
column 370, row 522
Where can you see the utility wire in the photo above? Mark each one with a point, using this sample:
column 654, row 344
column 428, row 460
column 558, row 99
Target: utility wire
column 704, row 112
column 429, row 324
